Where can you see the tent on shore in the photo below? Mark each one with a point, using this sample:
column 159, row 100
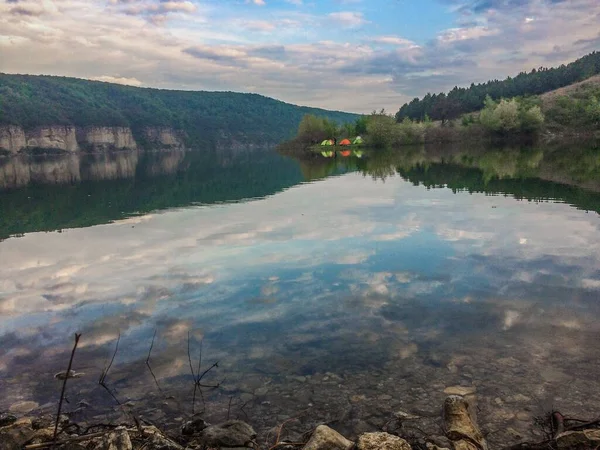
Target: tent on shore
column 357, row 140
column 327, row 142
column 345, row 142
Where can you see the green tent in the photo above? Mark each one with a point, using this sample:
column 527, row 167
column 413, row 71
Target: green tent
column 357, row 140
column 327, row 142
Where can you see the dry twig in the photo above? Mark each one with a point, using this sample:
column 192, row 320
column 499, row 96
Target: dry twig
column 148, row 362
column 64, row 386
column 104, row 374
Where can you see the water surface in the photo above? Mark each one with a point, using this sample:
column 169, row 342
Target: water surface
column 351, row 287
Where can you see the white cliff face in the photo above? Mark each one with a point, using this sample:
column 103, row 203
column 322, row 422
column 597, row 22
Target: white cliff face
column 55, row 137
column 71, row 139
column 164, row 137
column 109, row 137
column 12, row 139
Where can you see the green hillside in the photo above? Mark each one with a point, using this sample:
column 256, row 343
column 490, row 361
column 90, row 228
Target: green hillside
column 206, row 117
column 465, row 100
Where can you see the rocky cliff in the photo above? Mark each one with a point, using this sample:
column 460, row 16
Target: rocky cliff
column 15, row 139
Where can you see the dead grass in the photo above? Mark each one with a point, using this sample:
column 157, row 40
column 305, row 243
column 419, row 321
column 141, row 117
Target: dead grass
column 571, row 90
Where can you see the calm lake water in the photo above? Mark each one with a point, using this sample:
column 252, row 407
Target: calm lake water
column 344, row 288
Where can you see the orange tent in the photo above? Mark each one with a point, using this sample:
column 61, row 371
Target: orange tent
column 345, row 142
column 345, row 152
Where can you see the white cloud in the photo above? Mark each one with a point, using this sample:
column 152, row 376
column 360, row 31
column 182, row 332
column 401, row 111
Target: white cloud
column 347, row 19
column 462, row 34
column 118, row 80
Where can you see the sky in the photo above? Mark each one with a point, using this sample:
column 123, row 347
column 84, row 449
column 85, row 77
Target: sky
column 351, row 55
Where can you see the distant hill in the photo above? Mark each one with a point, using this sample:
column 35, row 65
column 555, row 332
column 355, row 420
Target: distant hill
column 465, row 100
column 31, row 101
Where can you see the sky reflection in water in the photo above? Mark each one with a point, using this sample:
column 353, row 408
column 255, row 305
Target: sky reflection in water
column 345, row 275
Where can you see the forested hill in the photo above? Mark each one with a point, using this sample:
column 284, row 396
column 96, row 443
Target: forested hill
column 464, row 100
column 30, row 101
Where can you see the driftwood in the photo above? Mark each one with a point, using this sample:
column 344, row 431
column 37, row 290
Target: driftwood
column 460, row 426
column 84, row 437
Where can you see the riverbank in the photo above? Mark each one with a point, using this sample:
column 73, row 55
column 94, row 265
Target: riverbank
column 402, row 431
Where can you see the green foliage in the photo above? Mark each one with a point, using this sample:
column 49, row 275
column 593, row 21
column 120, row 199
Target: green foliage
column 206, row 117
column 511, row 116
column 382, row 130
column 532, row 119
column 360, row 126
column 464, row 100
column 313, row 129
column 580, row 110
column 411, row 132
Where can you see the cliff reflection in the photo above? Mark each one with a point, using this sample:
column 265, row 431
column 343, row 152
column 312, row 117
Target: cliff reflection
column 68, row 191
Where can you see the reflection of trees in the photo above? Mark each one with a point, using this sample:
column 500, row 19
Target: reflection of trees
column 539, row 173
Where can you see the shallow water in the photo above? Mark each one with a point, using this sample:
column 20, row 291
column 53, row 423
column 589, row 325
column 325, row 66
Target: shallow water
column 347, row 297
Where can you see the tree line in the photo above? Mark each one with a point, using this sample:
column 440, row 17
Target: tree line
column 206, row 117
column 459, row 101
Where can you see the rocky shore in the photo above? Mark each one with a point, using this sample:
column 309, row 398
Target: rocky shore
column 459, row 431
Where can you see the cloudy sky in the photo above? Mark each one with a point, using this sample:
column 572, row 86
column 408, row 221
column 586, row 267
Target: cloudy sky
column 353, row 55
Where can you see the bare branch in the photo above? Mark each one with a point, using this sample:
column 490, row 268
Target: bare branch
column 64, row 386
column 148, row 362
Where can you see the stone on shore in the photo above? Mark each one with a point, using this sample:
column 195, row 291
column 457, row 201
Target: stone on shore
column 325, row 438
column 233, row 433
column 7, row 419
column 15, row 436
column 586, row 439
column 380, row 440
column 116, row 440
column 194, row 427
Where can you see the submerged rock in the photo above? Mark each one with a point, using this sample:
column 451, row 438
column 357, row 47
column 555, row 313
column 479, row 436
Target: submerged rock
column 72, row 374
column 233, row 433
column 23, row 407
column 460, row 390
column 325, row 438
column 380, row 440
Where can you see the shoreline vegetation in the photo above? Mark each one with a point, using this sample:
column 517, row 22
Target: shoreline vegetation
column 507, row 121
column 458, row 428
column 543, row 105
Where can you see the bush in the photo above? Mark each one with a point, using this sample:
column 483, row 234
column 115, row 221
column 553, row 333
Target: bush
column 382, row 130
column 514, row 115
column 532, row 119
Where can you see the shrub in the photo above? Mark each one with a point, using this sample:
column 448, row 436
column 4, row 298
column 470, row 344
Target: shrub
column 532, row 119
